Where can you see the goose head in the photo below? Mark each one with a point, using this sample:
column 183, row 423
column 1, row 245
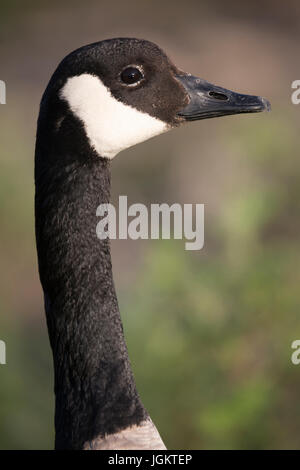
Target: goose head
column 124, row 91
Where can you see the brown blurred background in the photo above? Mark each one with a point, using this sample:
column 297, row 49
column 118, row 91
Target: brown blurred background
column 209, row 332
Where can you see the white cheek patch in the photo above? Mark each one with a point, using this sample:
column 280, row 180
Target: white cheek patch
column 110, row 125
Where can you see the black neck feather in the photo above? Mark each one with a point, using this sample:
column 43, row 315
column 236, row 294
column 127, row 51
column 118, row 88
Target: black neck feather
column 94, row 386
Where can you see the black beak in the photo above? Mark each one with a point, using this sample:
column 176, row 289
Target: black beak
column 208, row 101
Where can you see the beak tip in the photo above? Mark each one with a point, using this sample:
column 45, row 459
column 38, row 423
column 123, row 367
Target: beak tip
column 267, row 104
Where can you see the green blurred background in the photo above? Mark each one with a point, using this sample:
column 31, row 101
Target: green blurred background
column 209, row 332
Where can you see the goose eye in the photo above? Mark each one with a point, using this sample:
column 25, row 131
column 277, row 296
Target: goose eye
column 131, row 76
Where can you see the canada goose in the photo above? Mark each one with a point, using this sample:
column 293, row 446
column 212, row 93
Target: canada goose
column 102, row 99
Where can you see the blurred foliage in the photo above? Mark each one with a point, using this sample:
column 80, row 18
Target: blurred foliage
column 209, row 333
column 220, row 324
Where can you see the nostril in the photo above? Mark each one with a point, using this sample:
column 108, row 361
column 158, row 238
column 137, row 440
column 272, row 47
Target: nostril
column 218, row 96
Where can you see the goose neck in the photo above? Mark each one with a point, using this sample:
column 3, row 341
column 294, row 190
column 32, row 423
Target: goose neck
column 94, row 385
